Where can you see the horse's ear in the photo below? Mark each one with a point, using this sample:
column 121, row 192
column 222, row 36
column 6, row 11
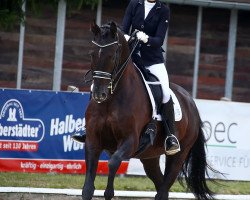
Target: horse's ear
column 95, row 28
column 113, row 29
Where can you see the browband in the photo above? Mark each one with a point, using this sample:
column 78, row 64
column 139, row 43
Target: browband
column 106, row 45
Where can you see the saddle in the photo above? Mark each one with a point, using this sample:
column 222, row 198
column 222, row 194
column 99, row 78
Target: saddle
column 155, row 86
column 150, row 130
column 151, row 81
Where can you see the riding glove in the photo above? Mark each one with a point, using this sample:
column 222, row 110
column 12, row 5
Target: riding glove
column 126, row 37
column 142, row 36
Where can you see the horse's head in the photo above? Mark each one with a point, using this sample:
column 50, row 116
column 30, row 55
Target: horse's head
column 106, row 59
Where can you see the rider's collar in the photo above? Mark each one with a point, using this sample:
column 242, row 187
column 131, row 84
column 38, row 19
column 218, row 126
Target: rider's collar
column 158, row 3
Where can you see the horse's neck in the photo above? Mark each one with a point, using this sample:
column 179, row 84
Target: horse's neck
column 131, row 82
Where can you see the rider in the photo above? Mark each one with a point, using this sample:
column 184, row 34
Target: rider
column 150, row 18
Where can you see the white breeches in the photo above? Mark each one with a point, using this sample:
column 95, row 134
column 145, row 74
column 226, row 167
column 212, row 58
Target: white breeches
column 159, row 70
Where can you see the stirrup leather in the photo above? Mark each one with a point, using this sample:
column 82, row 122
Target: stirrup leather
column 174, row 151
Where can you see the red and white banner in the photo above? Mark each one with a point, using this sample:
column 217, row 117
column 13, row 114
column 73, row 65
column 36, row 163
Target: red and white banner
column 56, row 166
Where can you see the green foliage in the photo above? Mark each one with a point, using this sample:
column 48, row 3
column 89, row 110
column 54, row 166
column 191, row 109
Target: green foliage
column 11, row 10
column 10, row 13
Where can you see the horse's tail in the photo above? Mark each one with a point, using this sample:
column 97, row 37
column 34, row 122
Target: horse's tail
column 195, row 169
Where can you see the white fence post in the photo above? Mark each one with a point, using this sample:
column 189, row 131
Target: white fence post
column 231, row 53
column 197, row 52
column 61, row 15
column 99, row 13
column 20, row 51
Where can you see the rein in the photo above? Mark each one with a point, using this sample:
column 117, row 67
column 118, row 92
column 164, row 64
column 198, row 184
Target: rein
column 123, row 67
column 114, row 76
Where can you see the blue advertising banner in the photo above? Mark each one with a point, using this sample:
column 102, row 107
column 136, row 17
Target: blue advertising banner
column 36, row 129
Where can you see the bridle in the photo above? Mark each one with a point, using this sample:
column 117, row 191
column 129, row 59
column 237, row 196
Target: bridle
column 117, row 72
column 106, row 75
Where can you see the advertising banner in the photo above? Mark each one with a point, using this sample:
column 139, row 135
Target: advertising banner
column 227, row 130
column 36, row 129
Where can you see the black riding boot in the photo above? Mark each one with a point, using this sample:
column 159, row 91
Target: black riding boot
column 171, row 144
column 80, row 138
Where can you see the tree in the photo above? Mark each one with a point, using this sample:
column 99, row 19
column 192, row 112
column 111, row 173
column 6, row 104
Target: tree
column 10, row 13
column 11, row 10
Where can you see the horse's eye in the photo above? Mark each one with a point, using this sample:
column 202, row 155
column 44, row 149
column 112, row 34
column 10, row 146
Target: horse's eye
column 91, row 53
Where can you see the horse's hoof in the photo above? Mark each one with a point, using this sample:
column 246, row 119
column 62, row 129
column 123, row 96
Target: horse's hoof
column 109, row 194
column 87, row 193
column 161, row 196
column 86, row 197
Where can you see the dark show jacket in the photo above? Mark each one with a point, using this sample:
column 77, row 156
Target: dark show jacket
column 155, row 26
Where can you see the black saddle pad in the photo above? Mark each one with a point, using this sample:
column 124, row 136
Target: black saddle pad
column 155, row 88
column 156, row 91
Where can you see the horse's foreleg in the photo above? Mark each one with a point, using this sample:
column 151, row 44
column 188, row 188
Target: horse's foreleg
column 153, row 171
column 122, row 153
column 92, row 153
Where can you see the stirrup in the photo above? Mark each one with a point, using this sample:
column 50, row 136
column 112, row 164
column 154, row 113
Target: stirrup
column 174, row 151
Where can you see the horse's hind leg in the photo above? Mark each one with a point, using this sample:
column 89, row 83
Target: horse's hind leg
column 153, row 171
column 172, row 168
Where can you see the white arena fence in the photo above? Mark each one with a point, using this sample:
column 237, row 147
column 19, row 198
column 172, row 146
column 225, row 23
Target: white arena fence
column 127, row 194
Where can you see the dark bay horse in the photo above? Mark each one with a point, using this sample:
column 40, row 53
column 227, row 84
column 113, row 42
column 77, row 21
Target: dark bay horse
column 118, row 112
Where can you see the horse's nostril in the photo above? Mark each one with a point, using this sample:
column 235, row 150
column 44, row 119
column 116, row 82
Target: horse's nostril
column 104, row 96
